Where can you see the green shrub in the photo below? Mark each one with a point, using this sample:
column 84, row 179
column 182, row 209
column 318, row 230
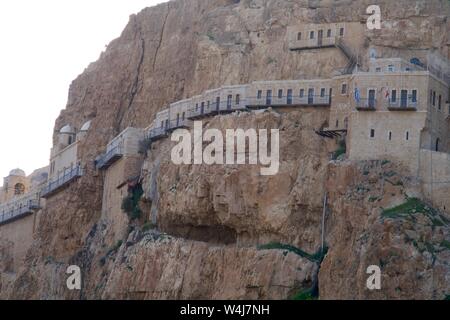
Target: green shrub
column 411, row 206
column 130, row 204
column 305, row 295
column 342, row 149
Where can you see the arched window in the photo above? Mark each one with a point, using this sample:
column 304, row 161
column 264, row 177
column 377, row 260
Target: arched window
column 19, row 189
column 437, row 144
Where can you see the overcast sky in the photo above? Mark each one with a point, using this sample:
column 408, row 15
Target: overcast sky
column 45, row 45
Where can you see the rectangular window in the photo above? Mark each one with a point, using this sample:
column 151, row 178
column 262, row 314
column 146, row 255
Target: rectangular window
column 394, row 96
column 372, row 133
column 196, row 107
column 302, row 93
column 341, row 32
column 414, row 96
column 217, row 103
column 440, row 102
column 311, row 35
column 391, row 68
column 280, row 94
column 322, row 92
column 378, row 69
column 329, row 33
column 344, row 88
column 407, row 135
column 403, row 98
column 162, row 124
column 208, row 104
column 269, row 97
column 289, row 96
column 259, row 94
column 390, row 135
column 229, row 100
column 434, row 98
column 299, row 36
column 238, row 99
column 183, row 116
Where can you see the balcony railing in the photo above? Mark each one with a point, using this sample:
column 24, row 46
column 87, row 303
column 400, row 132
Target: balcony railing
column 216, row 107
column 366, row 104
column 18, row 208
column 408, row 104
column 286, row 101
column 54, row 186
column 177, row 123
column 157, row 133
column 316, row 42
column 108, row 158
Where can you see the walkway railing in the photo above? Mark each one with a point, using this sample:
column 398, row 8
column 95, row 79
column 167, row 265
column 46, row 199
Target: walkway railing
column 53, row 186
column 19, row 207
column 366, row 104
column 289, row 100
column 108, row 158
column 402, row 104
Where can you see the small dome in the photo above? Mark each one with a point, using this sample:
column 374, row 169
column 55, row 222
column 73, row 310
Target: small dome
column 66, row 129
column 86, row 126
column 17, row 172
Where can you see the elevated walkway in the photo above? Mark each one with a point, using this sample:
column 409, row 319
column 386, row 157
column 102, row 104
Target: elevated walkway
column 62, row 182
column 19, row 208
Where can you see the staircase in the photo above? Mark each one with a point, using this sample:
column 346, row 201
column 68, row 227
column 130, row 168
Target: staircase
column 352, row 58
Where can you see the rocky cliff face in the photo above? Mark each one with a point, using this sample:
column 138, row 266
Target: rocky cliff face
column 212, row 218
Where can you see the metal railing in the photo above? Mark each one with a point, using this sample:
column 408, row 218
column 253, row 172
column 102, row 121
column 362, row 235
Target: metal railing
column 216, row 107
column 366, row 104
column 108, row 158
column 19, row 207
column 157, row 133
column 288, row 100
column 402, row 104
column 65, row 179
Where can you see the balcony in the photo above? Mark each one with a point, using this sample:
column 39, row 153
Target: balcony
column 55, row 186
column 177, row 124
column 288, row 101
column 108, row 158
column 365, row 104
column 223, row 106
column 157, row 133
column 19, row 208
column 408, row 104
column 315, row 43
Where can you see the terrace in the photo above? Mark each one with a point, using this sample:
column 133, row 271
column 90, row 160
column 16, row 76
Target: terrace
column 104, row 161
column 366, row 104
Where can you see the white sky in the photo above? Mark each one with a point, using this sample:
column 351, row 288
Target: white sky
column 45, row 45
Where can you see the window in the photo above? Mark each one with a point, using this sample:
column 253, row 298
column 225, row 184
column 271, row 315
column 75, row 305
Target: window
column 289, row 96
column 269, row 97
column 344, row 88
column 208, row 104
column 238, row 99
column 259, row 94
column 341, row 32
column 394, row 96
column 70, row 139
column 311, row 35
column 440, row 102
column 337, row 123
column 329, row 33
column 322, row 92
column 183, row 116
column 390, row 135
column 196, row 107
column 438, row 141
column 434, row 98
column 378, row 69
column 280, row 94
column 302, row 93
column 408, row 69
column 299, row 36
column 407, row 135
column 414, row 96
column 391, row 68
column 202, row 109
column 162, row 124
column 217, row 103
column 372, row 133
column 229, row 100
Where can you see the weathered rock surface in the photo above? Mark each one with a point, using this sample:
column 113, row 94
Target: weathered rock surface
column 177, row 50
